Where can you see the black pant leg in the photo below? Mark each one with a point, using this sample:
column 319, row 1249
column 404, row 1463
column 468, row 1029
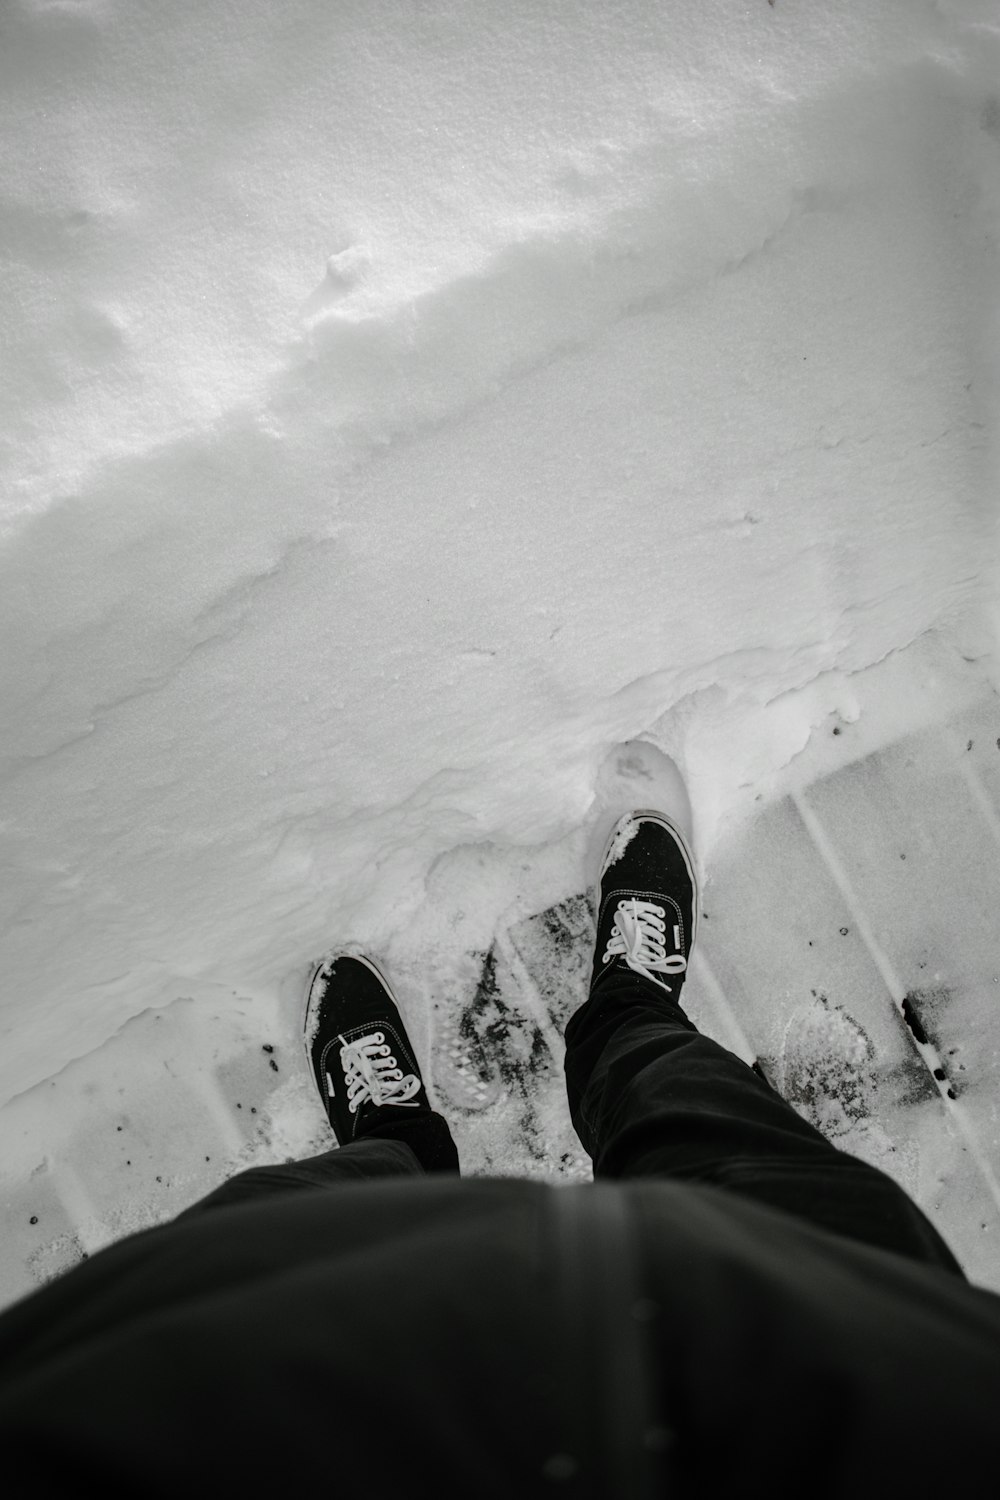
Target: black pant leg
column 651, row 1097
column 361, row 1159
column 394, row 1141
column 425, row 1131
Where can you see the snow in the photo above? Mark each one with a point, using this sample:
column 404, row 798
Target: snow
column 405, row 405
column 623, row 838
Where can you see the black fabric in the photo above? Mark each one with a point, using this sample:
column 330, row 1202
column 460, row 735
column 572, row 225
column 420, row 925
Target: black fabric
column 732, row 1303
column 651, row 1097
column 394, row 1140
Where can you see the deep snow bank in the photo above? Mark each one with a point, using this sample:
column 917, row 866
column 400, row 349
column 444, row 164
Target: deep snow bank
column 403, row 403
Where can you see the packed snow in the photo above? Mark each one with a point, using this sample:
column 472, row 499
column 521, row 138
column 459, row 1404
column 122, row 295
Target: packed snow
column 406, row 404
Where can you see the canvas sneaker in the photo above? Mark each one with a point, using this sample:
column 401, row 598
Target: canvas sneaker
column 358, row 1049
column 646, row 902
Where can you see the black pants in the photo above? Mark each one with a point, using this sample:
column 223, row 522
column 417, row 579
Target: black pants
column 650, row 1096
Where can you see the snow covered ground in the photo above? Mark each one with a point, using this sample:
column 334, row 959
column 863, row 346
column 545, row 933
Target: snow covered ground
column 404, row 406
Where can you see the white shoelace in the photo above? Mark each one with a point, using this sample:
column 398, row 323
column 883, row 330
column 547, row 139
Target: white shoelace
column 373, row 1073
column 637, row 936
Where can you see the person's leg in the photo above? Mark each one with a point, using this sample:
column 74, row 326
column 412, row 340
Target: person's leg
column 394, row 1143
column 341, row 1164
column 426, row 1133
column 651, row 1097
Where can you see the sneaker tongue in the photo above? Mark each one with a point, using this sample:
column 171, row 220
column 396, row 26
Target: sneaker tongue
column 630, row 928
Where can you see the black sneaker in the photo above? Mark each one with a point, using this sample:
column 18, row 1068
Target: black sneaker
column 646, row 901
column 357, row 1045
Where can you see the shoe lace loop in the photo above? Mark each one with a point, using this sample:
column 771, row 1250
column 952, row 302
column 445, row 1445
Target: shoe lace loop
column 637, row 936
column 372, row 1073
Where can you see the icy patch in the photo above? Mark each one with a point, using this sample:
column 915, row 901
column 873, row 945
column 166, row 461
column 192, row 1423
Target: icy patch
column 828, row 1069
